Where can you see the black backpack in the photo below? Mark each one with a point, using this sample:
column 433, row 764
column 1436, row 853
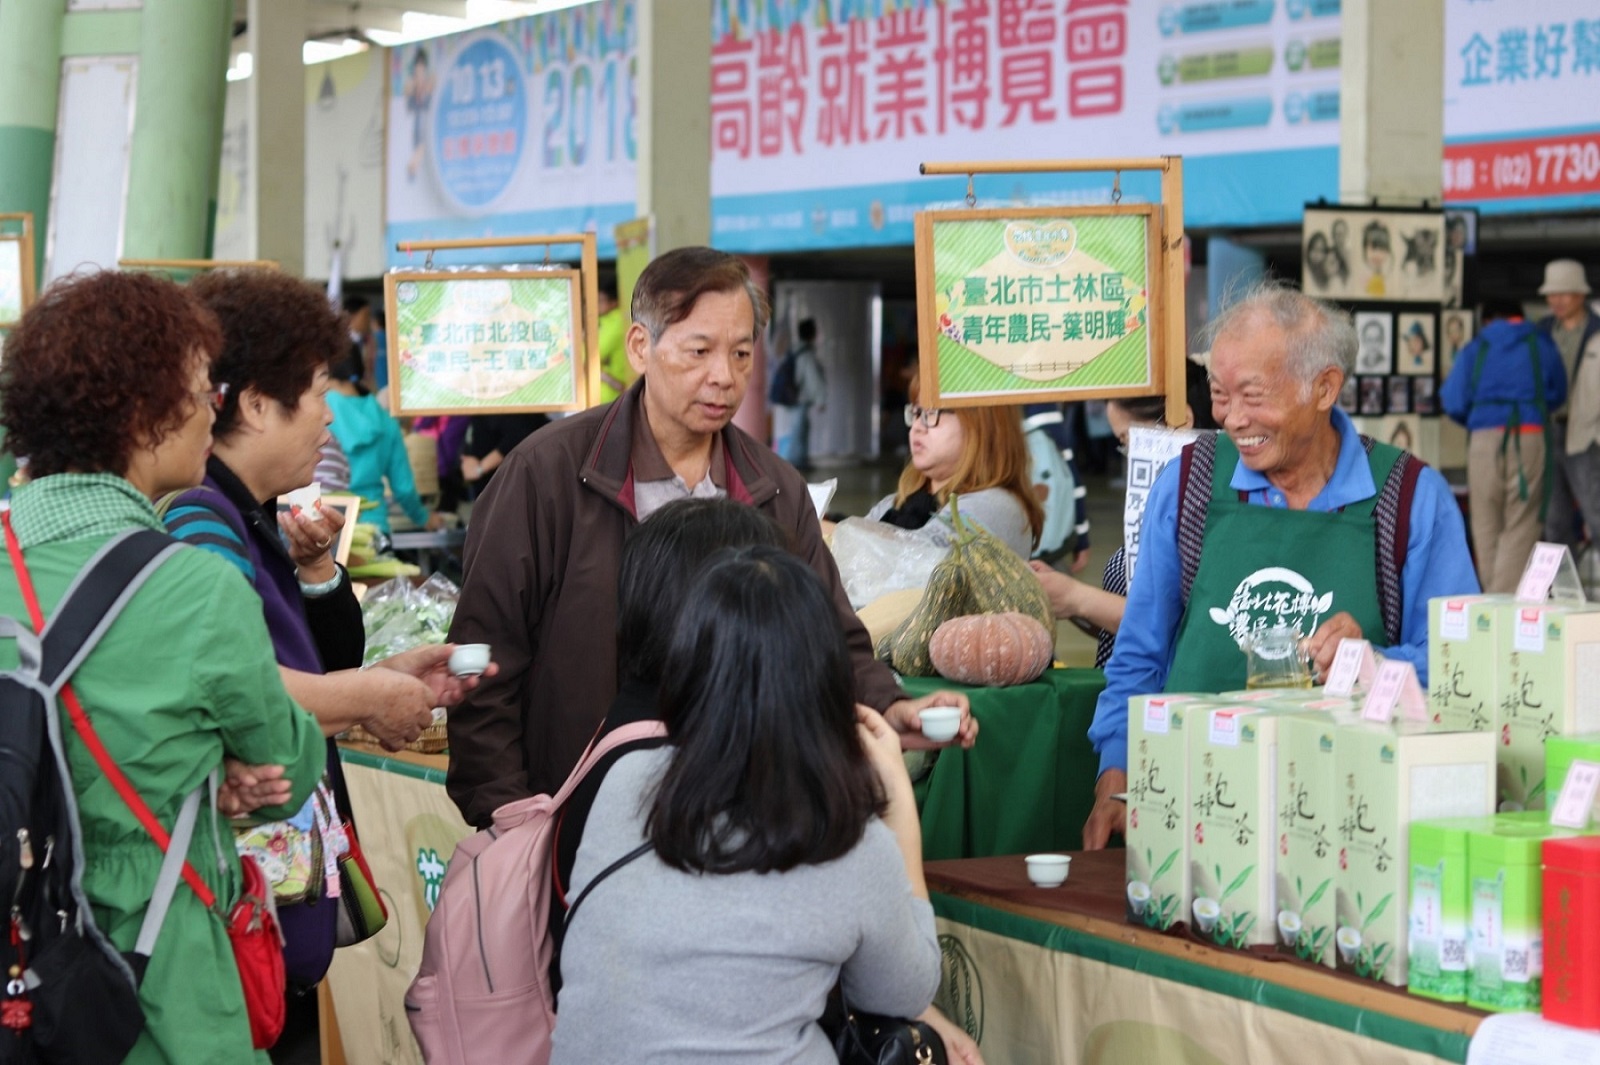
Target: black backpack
column 66, row 994
column 784, row 391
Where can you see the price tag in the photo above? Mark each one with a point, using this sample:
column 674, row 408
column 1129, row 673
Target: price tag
column 1453, row 620
column 1540, row 573
column 1157, row 717
column 1576, row 800
column 1225, row 726
column 1354, row 666
column 1529, row 632
column 1395, row 686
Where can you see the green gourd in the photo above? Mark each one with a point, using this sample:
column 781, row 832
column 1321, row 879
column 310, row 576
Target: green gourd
column 981, row 575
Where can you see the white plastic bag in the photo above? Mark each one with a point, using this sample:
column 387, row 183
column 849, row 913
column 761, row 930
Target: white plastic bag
column 876, row 558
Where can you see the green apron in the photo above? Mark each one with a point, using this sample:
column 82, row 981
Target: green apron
column 1513, row 431
column 1263, row 566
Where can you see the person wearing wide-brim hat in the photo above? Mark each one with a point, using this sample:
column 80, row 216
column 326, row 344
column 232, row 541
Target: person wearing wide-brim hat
column 1575, row 426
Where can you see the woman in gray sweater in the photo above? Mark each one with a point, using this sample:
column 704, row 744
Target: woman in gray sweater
column 784, row 848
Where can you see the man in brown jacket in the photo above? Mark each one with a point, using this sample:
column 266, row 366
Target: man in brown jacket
column 546, row 538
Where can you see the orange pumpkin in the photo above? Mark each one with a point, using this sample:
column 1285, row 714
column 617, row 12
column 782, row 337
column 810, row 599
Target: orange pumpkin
column 993, row 650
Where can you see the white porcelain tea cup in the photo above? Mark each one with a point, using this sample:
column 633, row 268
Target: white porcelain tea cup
column 469, row 659
column 1048, row 870
column 941, row 723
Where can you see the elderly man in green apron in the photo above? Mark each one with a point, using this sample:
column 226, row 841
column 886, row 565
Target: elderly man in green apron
column 1287, row 517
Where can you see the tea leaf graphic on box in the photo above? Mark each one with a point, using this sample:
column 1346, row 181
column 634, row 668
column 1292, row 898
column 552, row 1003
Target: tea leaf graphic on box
column 1164, row 865
column 1238, row 881
column 1316, row 896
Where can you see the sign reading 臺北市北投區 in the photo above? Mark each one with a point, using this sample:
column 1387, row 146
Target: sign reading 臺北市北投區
column 1035, row 305
column 485, row 342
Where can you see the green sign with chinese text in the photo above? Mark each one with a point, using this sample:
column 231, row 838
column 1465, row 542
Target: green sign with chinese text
column 1036, row 306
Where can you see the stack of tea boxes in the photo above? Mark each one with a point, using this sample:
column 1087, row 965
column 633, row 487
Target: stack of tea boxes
column 1285, row 818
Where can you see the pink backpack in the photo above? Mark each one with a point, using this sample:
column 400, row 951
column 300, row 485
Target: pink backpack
column 483, row 991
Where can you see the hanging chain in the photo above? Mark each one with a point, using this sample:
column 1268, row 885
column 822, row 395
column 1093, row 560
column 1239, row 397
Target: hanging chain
column 972, row 194
column 1116, row 187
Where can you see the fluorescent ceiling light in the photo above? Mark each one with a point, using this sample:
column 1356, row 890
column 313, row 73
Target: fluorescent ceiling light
column 323, row 51
column 420, row 26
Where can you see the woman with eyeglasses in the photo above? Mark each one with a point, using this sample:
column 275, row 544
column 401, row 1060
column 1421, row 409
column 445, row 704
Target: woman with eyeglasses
column 978, row 453
column 107, row 389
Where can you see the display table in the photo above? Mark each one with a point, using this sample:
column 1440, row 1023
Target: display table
column 1048, row 975
column 1028, row 784
column 430, row 550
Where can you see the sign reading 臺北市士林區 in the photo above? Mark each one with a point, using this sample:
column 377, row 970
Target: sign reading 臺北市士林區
column 1025, row 306
column 494, row 342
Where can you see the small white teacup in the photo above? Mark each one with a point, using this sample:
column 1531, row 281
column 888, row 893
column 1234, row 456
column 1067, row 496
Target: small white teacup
column 469, row 659
column 1048, row 870
column 941, row 723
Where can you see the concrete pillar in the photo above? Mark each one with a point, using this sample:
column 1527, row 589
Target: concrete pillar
column 1391, row 108
column 673, row 91
column 172, row 171
column 277, row 93
column 30, row 91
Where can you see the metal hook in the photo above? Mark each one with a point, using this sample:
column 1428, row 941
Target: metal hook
column 972, row 195
column 427, row 264
column 547, row 255
column 1116, row 187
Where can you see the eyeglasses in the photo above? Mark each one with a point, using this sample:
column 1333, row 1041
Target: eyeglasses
column 928, row 416
column 213, row 397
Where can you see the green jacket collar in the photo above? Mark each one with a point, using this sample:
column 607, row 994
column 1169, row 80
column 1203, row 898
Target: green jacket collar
column 78, row 506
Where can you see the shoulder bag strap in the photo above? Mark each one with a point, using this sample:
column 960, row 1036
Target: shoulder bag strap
column 95, row 585
column 637, row 852
column 599, row 748
column 1198, row 462
column 167, row 880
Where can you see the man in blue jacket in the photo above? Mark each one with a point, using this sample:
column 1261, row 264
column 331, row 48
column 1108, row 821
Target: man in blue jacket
column 1503, row 387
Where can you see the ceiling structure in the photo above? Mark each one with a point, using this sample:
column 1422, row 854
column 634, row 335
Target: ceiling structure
column 390, row 22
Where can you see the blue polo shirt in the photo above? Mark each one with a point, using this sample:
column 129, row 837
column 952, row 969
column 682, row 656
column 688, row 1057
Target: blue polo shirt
column 1437, row 563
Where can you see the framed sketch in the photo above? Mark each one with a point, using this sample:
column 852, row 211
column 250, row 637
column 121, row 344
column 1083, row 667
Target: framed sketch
column 1456, row 331
column 1424, row 396
column 1460, row 244
column 16, row 267
column 485, row 341
column 1372, row 396
column 1347, row 396
column 1354, row 254
column 1398, row 399
column 1374, row 342
column 1416, row 344
column 1402, row 430
column 1041, row 304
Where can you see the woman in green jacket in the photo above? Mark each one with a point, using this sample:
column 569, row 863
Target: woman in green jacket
column 106, row 389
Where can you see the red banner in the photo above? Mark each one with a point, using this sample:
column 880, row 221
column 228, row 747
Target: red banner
column 1538, row 166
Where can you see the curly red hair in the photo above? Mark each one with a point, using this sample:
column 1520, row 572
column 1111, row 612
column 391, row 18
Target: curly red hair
column 99, row 367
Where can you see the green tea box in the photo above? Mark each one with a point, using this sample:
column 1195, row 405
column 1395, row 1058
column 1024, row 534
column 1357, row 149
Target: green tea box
column 1157, row 882
column 1389, row 776
column 1232, row 778
column 1314, row 700
column 1559, row 754
column 1549, row 686
column 1255, row 695
column 1505, row 954
column 1441, row 906
column 1308, row 854
column 1463, row 650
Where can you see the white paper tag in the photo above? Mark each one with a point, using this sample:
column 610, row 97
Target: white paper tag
column 1453, row 620
column 1157, row 717
column 1354, row 665
column 1395, row 686
column 1529, row 632
column 1576, row 800
column 1224, row 730
column 1540, row 573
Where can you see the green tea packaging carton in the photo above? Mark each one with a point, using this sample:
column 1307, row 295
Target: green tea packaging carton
column 1232, row 785
column 1559, row 754
column 1256, row 695
column 1157, row 881
column 1549, row 686
column 1308, row 851
column 1505, row 954
column 1389, row 776
column 1441, row 906
column 1463, row 652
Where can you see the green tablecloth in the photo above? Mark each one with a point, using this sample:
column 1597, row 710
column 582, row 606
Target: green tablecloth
column 1028, row 783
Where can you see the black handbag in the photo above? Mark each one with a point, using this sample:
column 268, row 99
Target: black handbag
column 872, row 1039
